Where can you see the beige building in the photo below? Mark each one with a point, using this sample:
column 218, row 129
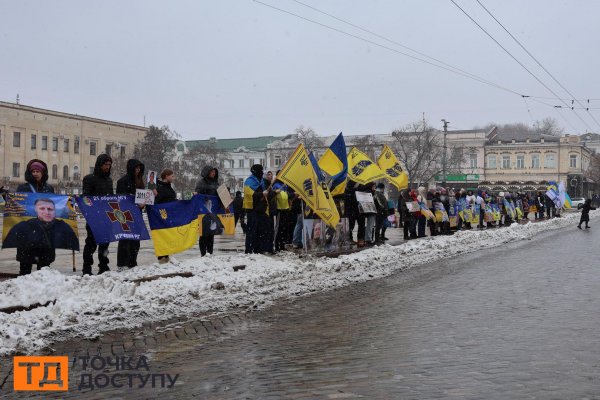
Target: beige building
column 527, row 162
column 68, row 143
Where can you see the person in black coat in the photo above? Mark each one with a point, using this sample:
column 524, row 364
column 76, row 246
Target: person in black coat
column 208, row 185
column 238, row 210
column 408, row 218
column 585, row 213
column 98, row 183
column 164, row 193
column 127, row 250
column 36, row 178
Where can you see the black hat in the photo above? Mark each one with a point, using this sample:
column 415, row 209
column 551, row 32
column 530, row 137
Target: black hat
column 256, row 169
column 380, row 186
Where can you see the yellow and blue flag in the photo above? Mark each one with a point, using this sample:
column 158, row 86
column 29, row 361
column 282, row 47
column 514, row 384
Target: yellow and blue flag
column 361, row 169
column 300, row 174
column 388, row 162
column 335, row 163
column 174, row 225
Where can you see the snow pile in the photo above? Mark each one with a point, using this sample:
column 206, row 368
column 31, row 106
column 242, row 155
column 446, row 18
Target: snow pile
column 87, row 306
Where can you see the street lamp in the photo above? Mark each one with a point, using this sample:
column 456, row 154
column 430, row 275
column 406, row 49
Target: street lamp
column 444, row 154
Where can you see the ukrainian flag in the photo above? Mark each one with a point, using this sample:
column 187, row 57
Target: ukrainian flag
column 335, row 163
column 174, row 225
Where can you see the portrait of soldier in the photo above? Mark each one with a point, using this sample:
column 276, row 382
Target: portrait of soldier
column 37, row 238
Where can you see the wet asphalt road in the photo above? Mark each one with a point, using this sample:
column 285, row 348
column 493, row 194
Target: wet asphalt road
column 517, row 322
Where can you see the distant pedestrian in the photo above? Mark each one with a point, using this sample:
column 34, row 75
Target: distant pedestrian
column 585, row 213
column 238, row 210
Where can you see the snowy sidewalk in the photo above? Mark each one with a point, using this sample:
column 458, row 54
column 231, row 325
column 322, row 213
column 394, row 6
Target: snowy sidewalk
column 88, row 306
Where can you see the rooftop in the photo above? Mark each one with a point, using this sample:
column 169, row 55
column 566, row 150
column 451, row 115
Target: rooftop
column 253, row 144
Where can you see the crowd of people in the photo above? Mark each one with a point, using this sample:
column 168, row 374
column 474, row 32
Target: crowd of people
column 272, row 215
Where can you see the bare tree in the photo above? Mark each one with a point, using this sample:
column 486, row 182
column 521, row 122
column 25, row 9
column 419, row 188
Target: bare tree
column 593, row 173
column 157, row 149
column 546, row 126
column 190, row 166
column 308, row 137
column 366, row 144
column 420, row 148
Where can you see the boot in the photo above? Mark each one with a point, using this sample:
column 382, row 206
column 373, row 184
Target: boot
column 360, row 243
column 86, row 270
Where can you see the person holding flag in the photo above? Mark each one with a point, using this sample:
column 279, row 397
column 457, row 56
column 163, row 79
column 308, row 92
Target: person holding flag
column 127, row 250
column 98, row 183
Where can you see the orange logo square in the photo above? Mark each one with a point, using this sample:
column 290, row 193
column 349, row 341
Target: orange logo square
column 38, row 373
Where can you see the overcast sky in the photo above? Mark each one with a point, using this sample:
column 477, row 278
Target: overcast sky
column 236, row 68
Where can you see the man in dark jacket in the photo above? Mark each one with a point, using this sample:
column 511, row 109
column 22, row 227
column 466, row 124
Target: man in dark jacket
column 238, row 210
column 164, row 193
column 382, row 213
column 208, row 184
column 255, row 207
column 99, row 183
column 127, row 250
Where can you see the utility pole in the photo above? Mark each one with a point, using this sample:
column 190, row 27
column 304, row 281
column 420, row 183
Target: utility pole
column 444, row 157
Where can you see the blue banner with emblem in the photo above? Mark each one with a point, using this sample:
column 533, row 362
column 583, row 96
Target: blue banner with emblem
column 113, row 217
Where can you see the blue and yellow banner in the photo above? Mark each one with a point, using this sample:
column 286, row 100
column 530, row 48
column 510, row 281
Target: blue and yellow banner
column 113, row 217
column 335, row 163
column 174, row 225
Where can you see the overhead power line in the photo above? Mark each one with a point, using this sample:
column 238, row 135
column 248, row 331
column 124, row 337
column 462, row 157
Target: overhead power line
column 516, row 60
column 539, row 63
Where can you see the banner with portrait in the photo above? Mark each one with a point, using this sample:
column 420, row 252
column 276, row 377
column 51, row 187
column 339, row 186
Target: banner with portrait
column 39, row 220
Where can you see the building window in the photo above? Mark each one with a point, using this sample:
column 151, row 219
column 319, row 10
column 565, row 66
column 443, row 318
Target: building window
column 535, row 161
column 122, row 151
column 252, row 162
column 16, row 169
column 491, row 162
column 16, row 139
column 66, row 145
column 76, row 173
column 92, row 149
column 44, row 142
column 277, row 161
column 573, row 161
column 240, row 163
column 108, row 149
column 520, row 161
column 33, row 142
column 55, row 171
column 505, row 162
column 54, row 144
column 549, row 162
column 473, row 160
column 66, row 173
column 76, row 146
column 262, row 162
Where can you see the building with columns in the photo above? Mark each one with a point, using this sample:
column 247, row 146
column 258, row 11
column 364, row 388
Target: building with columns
column 67, row 143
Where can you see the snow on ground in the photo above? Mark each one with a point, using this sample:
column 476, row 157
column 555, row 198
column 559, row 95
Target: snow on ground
column 87, row 306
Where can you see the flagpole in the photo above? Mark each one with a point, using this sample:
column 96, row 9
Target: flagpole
column 73, row 252
column 304, row 244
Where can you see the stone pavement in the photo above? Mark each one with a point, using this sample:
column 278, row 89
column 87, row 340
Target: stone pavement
column 516, row 322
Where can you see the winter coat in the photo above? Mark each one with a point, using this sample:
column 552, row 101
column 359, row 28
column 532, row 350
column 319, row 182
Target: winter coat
column 208, row 185
column 31, row 185
column 127, row 183
column 36, row 240
column 585, row 211
column 165, row 192
column 351, row 205
column 98, row 183
column 381, row 203
column 238, row 204
column 407, row 216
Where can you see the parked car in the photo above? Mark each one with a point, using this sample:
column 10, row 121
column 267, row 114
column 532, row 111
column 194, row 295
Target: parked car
column 577, row 202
